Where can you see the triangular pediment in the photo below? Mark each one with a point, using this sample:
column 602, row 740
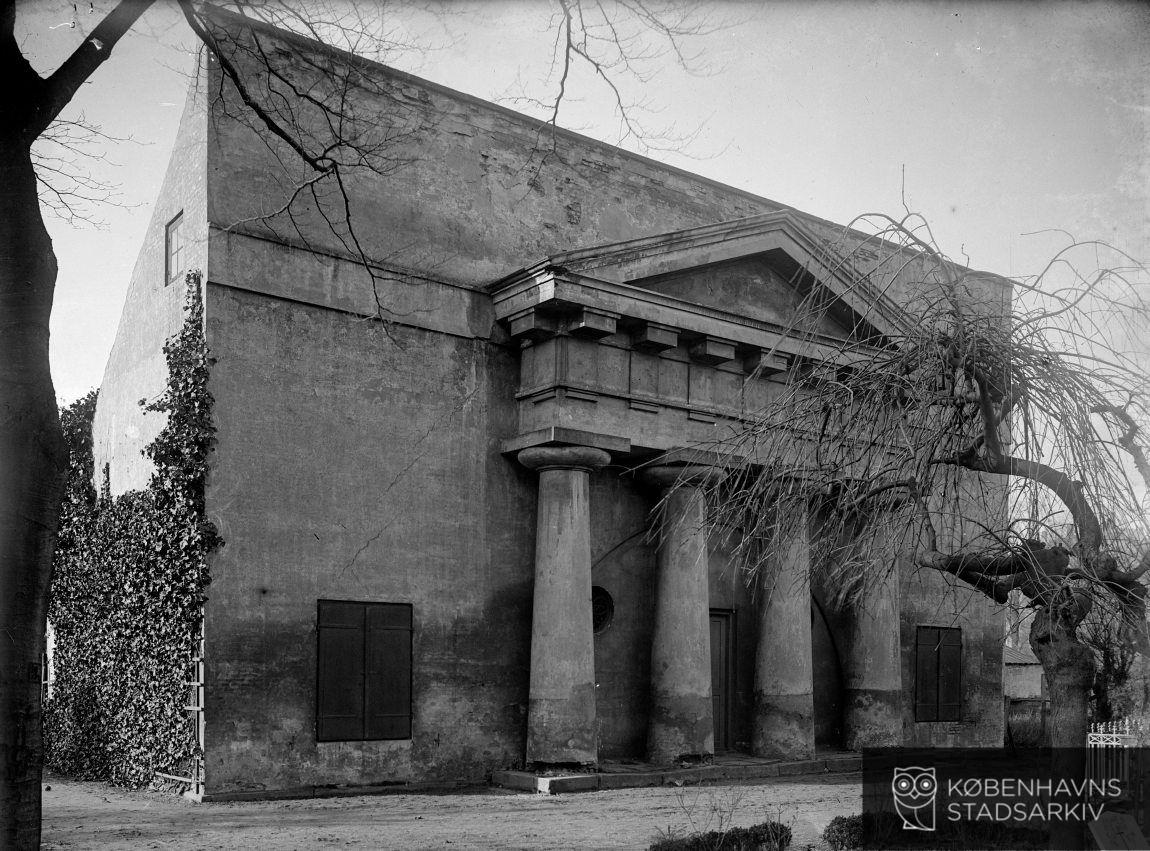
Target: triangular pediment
column 761, row 266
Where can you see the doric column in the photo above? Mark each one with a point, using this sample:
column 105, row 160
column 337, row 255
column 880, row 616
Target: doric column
column 561, row 708
column 872, row 715
column 681, row 722
column 784, row 724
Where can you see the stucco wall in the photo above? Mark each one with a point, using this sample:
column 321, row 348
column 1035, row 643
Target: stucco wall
column 359, row 461
column 747, row 287
column 1023, row 681
column 928, row 599
column 466, row 191
column 153, row 311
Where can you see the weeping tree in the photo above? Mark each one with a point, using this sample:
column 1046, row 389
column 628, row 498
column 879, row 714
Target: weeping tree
column 311, row 113
column 992, row 431
column 968, row 429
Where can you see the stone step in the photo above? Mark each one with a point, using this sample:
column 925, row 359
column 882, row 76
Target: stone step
column 554, row 784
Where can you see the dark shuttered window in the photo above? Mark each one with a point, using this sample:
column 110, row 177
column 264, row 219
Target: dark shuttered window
column 938, row 674
column 363, row 677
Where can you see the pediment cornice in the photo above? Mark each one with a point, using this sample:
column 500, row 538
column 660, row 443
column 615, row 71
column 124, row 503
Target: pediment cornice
column 783, row 238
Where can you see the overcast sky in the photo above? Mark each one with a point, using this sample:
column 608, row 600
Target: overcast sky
column 1009, row 119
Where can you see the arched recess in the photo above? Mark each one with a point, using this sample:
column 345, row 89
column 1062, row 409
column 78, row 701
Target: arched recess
column 827, row 678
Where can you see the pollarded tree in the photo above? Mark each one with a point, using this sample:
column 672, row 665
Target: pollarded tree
column 971, row 426
column 310, row 116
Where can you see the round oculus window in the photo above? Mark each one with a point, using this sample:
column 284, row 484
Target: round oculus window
column 602, row 609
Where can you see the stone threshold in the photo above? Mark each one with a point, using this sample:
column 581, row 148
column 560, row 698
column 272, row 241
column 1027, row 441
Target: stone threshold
column 398, row 787
column 616, row 776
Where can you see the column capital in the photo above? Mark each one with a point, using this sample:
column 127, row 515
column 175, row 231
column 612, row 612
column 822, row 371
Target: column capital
column 665, row 476
column 563, row 458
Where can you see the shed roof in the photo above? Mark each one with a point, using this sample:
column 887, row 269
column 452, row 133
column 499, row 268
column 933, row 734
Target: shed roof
column 1017, row 656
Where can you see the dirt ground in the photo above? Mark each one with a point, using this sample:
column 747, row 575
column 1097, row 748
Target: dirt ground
column 92, row 815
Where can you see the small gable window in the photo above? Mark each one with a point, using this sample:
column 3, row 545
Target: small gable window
column 938, row 674
column 174, row 249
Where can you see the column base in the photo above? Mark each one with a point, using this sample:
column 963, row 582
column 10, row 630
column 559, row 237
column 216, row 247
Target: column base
column 872, row 718
column 562, row 732
column 784, row 726
column 681, row 729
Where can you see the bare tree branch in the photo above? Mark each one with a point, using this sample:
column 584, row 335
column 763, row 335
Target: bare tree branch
column 976, row 417
column 57, row 91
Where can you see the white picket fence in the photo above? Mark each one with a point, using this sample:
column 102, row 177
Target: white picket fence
column 1121, row 733
column 1111, row 753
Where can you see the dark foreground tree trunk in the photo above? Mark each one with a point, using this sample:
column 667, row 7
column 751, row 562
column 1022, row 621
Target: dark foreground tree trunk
column 1069, row 667
column 32, row 466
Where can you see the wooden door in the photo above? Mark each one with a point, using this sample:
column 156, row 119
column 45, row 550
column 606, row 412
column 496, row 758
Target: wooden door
column 722, row 675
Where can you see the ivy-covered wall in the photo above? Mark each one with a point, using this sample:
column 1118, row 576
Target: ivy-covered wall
column 129, row 583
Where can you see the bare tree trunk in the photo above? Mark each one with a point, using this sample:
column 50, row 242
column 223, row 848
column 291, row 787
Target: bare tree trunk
column 1069, row 667
column 32, row 467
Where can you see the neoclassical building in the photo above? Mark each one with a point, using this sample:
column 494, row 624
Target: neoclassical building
column 436, row 479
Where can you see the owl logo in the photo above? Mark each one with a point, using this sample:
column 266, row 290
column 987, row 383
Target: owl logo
column 914, row 789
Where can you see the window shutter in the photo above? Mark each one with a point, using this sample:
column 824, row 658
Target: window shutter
column 340, row 671
column 387, row 695
column 363, row 671
column 938, row 674
column 926, row 674
column 950, row 675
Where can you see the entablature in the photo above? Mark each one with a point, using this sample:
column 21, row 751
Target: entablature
column 604, row 350
column 545, row 300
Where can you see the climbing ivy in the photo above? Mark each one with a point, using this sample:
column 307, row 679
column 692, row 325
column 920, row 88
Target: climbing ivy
column 130, row 575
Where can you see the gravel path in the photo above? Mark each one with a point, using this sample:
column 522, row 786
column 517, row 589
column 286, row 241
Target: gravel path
column 92, row 815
